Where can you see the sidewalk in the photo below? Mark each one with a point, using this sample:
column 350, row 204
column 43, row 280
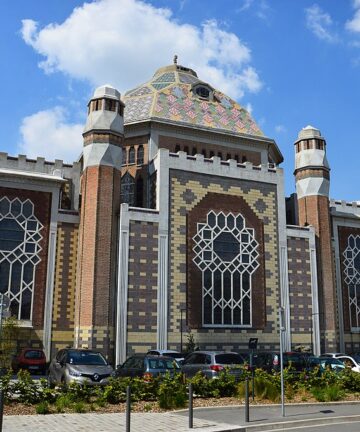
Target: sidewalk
column 205, row 419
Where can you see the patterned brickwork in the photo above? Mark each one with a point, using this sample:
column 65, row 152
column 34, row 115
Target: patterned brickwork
column 314, row 210
column 300, row 290
column 142, row 285
column 187, row 190
column 99, row 338
column 64, row 284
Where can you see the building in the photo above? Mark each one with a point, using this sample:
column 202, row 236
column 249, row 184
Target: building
column 174, row 218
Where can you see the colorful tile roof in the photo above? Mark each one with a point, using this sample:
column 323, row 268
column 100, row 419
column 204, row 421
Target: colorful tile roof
column 170, row 95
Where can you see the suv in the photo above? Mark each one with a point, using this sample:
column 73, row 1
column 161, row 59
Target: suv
column 81, row 366
column 147, row 366
column 211, row 363
column 32, row 359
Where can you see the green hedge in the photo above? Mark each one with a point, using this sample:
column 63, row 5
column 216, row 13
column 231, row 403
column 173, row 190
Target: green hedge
column 172, row 391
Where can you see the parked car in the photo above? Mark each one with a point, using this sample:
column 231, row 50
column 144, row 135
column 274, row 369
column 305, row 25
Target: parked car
column 333, row 354
column 31, row 359
column 81, row 366
column 349, row 362
column 270, row 361
column 324, row 363
column 211, row 363
column 147, row 366
column 178, row 356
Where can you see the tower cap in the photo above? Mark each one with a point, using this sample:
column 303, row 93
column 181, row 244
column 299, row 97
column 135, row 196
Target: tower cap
column 309, row 132
column 107, row 91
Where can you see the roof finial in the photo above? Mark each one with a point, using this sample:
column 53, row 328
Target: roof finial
column 175, row 59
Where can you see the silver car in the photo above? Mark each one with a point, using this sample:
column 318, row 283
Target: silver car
column 211, row 363
column 80, row 366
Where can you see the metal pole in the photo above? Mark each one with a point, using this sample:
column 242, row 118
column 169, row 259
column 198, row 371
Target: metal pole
column 128, row 408
column 1, row 313
column 247, row 400
column 252, row 376
column 1, row 408
column 181, row 330
column 191, row 408
column 281, row 310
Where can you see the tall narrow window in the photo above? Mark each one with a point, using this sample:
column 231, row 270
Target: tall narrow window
column 204, row 153
column 127, row 194
column 352, row 279
column 177, row 148
column 139, row 192
column 20, row 236
column 194, row 151
column 140, row 155
column 226, row 252
column 131, row 155
column 186, row 149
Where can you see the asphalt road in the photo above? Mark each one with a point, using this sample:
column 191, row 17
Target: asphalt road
column 272, row 414
column 336, row 427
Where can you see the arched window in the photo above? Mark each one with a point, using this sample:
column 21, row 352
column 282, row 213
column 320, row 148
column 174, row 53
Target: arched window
column 243, row 159
column 140, row 155
column 127, row 191
column 131, row 155
column 194, row 151
column 212, row 154
column 177, row 148
column 139, row 192
column 226, row 253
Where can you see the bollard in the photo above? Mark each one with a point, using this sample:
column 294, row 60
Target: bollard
column 128, row 408
column 191, row 410
column 1, row 408
column 247, row 400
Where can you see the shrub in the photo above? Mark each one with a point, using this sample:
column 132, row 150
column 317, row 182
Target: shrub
column 328, row 394
column 63, row 402
column 350, row 380
column 172, row 392
column 79, row 407
column 42, row 408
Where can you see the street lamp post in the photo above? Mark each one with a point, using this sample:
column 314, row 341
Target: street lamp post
column 282, row 329
column 181, row 329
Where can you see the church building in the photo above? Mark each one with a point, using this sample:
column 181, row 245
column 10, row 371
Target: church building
column 174, row 219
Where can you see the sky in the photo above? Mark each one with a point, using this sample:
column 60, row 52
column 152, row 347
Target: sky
column 291, row 63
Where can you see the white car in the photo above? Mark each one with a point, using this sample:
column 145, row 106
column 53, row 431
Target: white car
column 350, row 362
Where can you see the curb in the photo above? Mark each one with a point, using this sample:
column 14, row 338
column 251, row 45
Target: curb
column 289, row 425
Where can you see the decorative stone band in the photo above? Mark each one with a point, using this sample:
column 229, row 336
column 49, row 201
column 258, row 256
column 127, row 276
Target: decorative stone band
column 97, row 154
column 312, row 186
column 312, row 172
column 104, row 138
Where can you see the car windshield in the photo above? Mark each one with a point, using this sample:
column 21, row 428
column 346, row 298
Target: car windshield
column 162, row 364
column 228, row 359
column 86, row 358
column 34, row 354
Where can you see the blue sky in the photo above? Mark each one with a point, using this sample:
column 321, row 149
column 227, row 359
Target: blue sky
column 290, row 62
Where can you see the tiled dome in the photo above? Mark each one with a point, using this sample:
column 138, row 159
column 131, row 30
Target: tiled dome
column 176, row 95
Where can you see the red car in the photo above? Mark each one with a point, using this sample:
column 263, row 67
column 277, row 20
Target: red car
column 32, row 359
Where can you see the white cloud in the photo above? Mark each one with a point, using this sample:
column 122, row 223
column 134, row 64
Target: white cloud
column 47, row 134
column 280, row 129
column 246, row 4
column 249, row 108
column 320, row 23
column 124, row 41
column 354, row 24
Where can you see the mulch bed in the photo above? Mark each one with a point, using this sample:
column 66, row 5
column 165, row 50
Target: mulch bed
column 22, row 409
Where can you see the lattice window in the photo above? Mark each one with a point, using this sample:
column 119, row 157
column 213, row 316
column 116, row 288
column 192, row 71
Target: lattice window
column 131, row 155
column 127, row 194
column 352, row 279
column 19, row 254
column 226, row 253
